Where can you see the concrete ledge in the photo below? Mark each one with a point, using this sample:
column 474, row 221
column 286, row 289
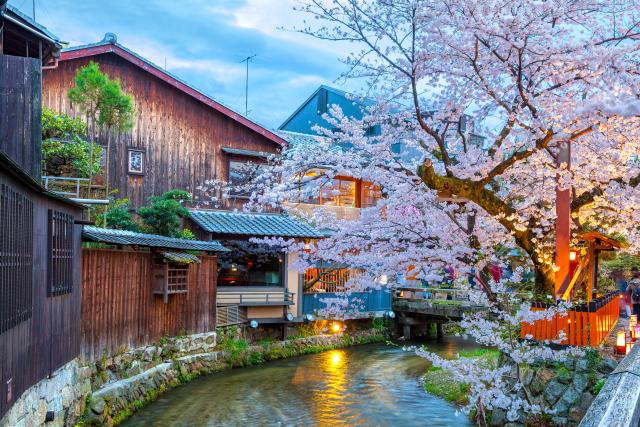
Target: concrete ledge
column 618, row 403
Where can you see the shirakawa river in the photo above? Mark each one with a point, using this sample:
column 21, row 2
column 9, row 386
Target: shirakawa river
column 370, row 385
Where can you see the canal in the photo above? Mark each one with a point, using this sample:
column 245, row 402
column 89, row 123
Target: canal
column 370, row 385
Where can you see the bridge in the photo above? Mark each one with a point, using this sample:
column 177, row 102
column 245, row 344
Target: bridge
column 417, row 309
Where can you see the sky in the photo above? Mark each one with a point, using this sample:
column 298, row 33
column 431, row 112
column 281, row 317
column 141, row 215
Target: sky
column 204, row 41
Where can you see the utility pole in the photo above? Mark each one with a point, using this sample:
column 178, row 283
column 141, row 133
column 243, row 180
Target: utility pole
column 246, row 84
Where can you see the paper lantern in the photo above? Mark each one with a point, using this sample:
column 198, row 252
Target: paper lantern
column 621, row 342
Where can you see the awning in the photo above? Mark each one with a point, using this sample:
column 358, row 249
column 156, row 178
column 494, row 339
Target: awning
column 181, row 257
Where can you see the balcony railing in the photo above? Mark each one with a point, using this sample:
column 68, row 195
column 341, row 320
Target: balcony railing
column 247, row 296
column 73, row 188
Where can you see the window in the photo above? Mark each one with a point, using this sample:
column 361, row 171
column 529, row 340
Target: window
column 16, row 258
column 136, row 162
column 177, row 278
column 60, row 271
column 371, row 193
column 250, row 264
column 242, row 175
column 339, row 191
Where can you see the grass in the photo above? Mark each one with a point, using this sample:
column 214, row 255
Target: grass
column 441, row 383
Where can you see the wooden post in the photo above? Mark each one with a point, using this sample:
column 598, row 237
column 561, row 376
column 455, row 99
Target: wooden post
column 593, row 271
column 563, row 226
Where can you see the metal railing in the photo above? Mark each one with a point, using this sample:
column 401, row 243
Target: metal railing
column 227, row 315
column 460, row 296
column 254, row 297
column 58, row 184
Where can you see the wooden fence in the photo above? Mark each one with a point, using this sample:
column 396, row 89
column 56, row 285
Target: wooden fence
column 586, row 325
column 119, row 307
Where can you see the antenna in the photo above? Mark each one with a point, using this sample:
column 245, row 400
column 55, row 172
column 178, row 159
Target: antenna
column 33, row 6
column 246, row 84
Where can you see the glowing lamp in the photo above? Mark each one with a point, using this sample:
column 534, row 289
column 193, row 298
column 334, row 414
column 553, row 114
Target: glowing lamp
column 391, row 314
column 633, row 320
column 621, row 342
column 290, row 317
column 336, row 327
column 253, row 324
column 573, row 255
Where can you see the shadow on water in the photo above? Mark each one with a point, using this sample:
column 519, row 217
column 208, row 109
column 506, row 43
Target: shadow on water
column 371, row 385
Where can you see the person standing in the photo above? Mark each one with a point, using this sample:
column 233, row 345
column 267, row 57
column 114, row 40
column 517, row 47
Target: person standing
column 633, row 290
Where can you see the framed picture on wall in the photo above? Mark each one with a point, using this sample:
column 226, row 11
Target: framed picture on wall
column 135, row 162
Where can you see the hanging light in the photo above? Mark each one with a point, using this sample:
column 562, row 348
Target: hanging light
column 308, row 317
column 621, row 342
column 234, row 267
column 290, row 317
column 253, row 324
column 390, row 314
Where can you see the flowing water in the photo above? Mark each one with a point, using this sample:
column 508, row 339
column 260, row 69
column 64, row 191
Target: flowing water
column 370, row 385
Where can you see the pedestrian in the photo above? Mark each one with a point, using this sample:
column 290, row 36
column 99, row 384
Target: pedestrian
column 633, row 290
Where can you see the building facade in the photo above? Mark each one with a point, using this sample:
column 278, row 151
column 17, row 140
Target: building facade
column 181, row 138
column 39, row 231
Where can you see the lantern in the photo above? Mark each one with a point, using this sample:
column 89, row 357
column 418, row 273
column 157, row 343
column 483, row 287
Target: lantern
column 633, row 320
column 621, row 344
column 573, row 255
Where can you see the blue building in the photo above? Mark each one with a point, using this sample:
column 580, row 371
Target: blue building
column 324, row 283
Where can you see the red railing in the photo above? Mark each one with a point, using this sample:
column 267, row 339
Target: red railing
column 585, row 325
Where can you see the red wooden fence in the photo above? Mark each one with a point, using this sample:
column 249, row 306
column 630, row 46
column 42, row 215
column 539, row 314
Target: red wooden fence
column 586, row 325
column 120, row 309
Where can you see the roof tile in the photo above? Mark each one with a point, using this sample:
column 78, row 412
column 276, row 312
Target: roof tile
column 254, row 224
column 122, row 237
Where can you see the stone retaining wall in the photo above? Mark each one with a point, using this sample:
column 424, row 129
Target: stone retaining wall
column 63, row 394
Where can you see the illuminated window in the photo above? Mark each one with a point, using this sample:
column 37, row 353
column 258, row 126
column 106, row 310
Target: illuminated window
column 371, row 193
column 339, row 191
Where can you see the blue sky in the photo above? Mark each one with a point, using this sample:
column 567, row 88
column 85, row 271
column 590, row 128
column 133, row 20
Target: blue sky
column 203, row 43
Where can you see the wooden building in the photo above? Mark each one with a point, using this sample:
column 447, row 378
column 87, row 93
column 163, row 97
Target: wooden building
column 181, row 137
column 39, row 231
column 138, row 288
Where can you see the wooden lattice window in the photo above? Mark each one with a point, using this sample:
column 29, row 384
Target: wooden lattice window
column 177, row 278
column 60, row 265
column 16, row 258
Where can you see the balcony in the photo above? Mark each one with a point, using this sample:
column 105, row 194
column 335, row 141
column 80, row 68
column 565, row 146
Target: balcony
column 76, row 189
column 254, row 296
column 363, row 303
column 340, row 212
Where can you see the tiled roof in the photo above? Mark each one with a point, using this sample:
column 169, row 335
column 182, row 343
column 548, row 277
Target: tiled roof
column 181, row 258
column 253, row 224
column 121, row 237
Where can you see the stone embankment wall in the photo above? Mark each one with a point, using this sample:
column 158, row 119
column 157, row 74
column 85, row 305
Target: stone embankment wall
column 60, row 400
column 568, row 388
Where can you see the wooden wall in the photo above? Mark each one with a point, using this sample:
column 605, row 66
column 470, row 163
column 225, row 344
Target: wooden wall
column 50, row 337
column 20, row 109
column 120, row 309
column 181, row 136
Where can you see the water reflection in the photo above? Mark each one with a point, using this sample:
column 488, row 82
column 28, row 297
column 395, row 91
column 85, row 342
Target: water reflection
column 373, row 385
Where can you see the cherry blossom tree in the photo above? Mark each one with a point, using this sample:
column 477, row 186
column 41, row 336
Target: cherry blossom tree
column 479, row 105
column 480, row 98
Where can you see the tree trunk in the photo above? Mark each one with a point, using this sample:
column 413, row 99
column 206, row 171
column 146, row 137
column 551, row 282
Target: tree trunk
column 497, row 208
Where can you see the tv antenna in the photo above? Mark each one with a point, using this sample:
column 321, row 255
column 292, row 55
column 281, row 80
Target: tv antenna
column 246, row 83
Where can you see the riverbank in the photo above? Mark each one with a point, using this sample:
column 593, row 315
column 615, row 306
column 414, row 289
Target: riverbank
column 566, row 388
column 114, row 402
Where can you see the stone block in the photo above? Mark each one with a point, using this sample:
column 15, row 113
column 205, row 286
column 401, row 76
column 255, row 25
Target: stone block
column 498, row 417
column 586, row 399
column 545, row 375
column 576, row 414
column 607, row 366
column 97, row 405
column 582, row 365
column 553, row 390
column 580, row 382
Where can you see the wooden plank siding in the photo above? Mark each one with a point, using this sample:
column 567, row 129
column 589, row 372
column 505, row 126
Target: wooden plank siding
column 35, row 348
column 120, row 309
column 181, row 136
column 20, row 109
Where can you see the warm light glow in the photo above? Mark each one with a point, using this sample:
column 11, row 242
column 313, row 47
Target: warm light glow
column 620, row 338
column 633, row 320
column 336, row 327
column 621, row 342
column 234, row 267
column 573, row 255
column 336, row 358
column 628, row 348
